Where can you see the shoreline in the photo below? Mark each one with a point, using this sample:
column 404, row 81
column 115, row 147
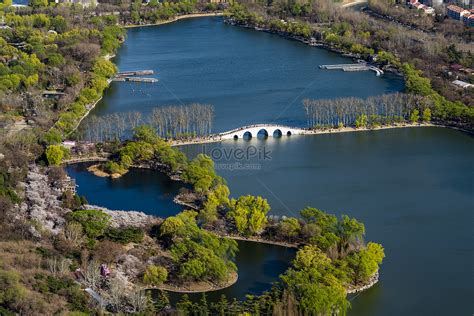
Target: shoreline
column 200, row 287
column 176, row 18
column 362, row 287
column 260, row 241
column 92, row 105
column 310, row 132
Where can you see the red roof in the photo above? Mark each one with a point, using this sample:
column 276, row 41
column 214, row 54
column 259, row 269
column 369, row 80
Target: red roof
column 455, row 8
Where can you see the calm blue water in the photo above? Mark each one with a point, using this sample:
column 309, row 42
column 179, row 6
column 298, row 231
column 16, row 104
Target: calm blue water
column 248, row 76
column 137, row 190
column 413, row 188
column 259, row 265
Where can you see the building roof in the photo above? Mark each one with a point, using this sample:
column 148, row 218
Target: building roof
column 455, row 8
column 463, row 84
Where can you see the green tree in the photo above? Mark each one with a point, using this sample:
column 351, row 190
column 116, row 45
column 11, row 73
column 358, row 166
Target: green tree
column 249, row 214
column 289, row 228
column 426, row 117
column 350, row 231
column 361, row 121
column 172, row 226
column 366, row 262
column 55, row 154
column 184, row 306
column 155, row 275
column 94, row 222
column 125, row 235
column 415, row 116
column 415, row 83
column 208, row 213
column 222, row 192
column 104, row 68
column 312, row 282
column 200, row 172
column 38, row 3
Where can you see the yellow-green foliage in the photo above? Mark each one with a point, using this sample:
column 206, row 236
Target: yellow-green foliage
column 155, row 275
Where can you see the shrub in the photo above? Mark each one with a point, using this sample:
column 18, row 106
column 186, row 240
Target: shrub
column 125, row 235
column 93, row 222
column 55, row 154
column 155, row 275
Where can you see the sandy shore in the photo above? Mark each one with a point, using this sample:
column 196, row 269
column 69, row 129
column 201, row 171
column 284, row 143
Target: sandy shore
column 199, row 287
column 261, row 241
column 177, row 18
column 95, row 169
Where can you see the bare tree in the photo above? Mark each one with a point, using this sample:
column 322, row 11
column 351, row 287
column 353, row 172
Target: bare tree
column 92, row 275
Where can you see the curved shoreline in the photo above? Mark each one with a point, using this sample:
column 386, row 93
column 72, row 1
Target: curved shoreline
column 261, row 241
column 357, row 289
column 234, row 277
column 176, row 18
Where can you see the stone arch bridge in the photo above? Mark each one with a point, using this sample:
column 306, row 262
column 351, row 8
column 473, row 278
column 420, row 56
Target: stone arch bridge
column 269, row 130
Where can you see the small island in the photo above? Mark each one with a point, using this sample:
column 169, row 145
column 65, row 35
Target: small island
column 194, row 251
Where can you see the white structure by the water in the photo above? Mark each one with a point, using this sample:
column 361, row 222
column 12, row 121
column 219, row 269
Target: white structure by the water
column 269, row 130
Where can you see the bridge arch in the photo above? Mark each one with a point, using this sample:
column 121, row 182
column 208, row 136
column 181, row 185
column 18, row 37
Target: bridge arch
column 268, row 130
column 263, row 133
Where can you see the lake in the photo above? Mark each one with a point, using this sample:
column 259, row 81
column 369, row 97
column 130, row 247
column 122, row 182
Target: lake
column 259, row 265
column 413, row 187
column 249, row 77
column 137, row 190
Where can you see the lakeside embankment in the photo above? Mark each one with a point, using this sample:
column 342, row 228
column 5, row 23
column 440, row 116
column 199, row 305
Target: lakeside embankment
column 218, row 138
column 177, row 18
column 198, row 287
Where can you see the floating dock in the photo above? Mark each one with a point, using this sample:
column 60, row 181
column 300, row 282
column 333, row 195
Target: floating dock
column 135, row 73
column 353, row 67
column 135, row 79
column 132, row 76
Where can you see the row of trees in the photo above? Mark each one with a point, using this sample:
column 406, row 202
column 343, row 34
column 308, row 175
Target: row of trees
column 175, row 121
column 387, row 109
column 169, row 122
column 392, row 45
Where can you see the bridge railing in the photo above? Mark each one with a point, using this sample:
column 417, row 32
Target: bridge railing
column 258, row 125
